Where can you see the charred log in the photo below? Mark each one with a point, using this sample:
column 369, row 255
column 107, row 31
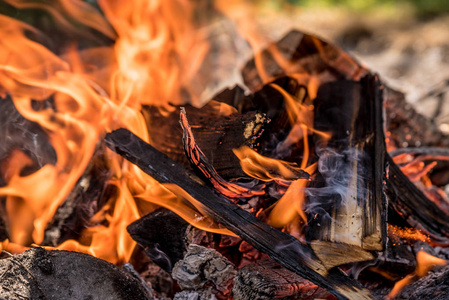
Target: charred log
column 408, row 128
column 434, row 286
column 220, row 129
column 282, row 247
column 350, row 208
column 414, row 207
column 301, row 53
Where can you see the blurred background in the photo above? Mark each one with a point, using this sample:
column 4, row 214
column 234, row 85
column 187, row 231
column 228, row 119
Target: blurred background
column 405, row 41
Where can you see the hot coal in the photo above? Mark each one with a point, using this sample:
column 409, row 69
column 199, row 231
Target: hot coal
column 434, row 286
column 162, row 233
column 42, row 274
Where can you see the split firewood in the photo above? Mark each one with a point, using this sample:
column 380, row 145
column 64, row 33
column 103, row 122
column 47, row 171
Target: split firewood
column 282, row 247
column 265, row 279
column 200, row 162
column 202, row 267
column 42, row 274
column 414, row 207
column 162, row 234
column 348, row 212
column 218, row 127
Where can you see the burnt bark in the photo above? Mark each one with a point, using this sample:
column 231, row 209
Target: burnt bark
column 348, row 210
column 414, row 207
column 219, row 129
column 434, row 286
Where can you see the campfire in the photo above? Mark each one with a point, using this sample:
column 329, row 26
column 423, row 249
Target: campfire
column 140, row 160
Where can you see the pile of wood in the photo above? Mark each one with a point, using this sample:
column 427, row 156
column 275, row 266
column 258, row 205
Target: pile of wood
column 342, row 246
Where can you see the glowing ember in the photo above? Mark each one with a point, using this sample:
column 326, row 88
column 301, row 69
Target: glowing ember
column 425, row 263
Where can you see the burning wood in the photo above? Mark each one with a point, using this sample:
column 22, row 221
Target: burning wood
column 282, row 247
column 307, row 185
column 353, row 167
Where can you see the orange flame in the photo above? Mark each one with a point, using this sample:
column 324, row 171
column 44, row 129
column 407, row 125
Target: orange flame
column 156, row 55
column 424, row 264
column 265, row 168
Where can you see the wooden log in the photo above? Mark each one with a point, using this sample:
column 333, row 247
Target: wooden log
column 414, row 207
column 348, row 213
column 42, row 274
column 265, row 279
column 219, row 128
column 282, row 247
column 433, row 286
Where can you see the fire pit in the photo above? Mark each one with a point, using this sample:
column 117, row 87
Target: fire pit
column 119, row 139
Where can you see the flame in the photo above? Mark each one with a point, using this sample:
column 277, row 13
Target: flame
column 265, row 168
column 424, row 264
column 156, row 54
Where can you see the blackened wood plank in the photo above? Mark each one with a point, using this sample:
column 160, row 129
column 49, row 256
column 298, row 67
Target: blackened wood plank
column 411, row 203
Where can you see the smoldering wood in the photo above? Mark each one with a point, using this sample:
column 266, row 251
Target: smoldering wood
column 352, row 211
column 282, row 247
column 414, row 207
column 408, row 128
column 265, row 279
column 216, row 133
column 162, row 234
column 206, row 170
column 434, row 286
column 42, row 274
column 397, row 261
column 439, row 176
column 203, row 266
column 88, row 196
